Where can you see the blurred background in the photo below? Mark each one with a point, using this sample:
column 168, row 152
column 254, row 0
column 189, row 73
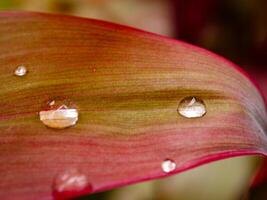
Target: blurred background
column 235, row 29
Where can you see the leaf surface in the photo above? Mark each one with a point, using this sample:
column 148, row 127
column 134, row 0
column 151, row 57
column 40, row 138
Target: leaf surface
column 126, row 85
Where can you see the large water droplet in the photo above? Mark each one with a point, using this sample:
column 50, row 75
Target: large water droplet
column 71, row 183
column 59, row 115
column 20, row 71
column 192, row 107
column 168, row 166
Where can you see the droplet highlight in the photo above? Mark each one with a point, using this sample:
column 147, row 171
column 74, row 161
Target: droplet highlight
column 192, row 107
column 20, row 71
column 59, row 115
column 71, row 183
column 168, row 166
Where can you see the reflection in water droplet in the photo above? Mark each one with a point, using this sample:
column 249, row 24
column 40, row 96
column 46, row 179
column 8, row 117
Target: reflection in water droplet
column 192, row 107
column 51, row 103
column 168, row 166
column 20, row 71
column 70, row 180
column 59, row 115
column 71, row 183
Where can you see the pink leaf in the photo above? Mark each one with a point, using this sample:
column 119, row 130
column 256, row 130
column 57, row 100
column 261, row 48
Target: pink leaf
column 126, row 86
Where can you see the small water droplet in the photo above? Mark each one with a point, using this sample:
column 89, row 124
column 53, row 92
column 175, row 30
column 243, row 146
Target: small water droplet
column 20, row 71
column 59, row 115
column 192, row 107
column 168, row 166
column 71, row 183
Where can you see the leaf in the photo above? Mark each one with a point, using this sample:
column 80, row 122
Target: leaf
column 126, row 85
column 259, row 183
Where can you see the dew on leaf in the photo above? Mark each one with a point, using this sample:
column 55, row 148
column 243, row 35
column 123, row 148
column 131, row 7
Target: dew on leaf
column 168, row 166
column 20, row 71
column 70, row 183
column 192, row 107
column 59, row 115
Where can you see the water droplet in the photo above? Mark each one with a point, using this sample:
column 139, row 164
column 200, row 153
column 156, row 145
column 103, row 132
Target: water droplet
column 59, row 115
column 192, row 107
column 71, row 183
column 168, row 166
column 21, row 71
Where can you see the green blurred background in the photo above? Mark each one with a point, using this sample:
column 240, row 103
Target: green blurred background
column 236, row 29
